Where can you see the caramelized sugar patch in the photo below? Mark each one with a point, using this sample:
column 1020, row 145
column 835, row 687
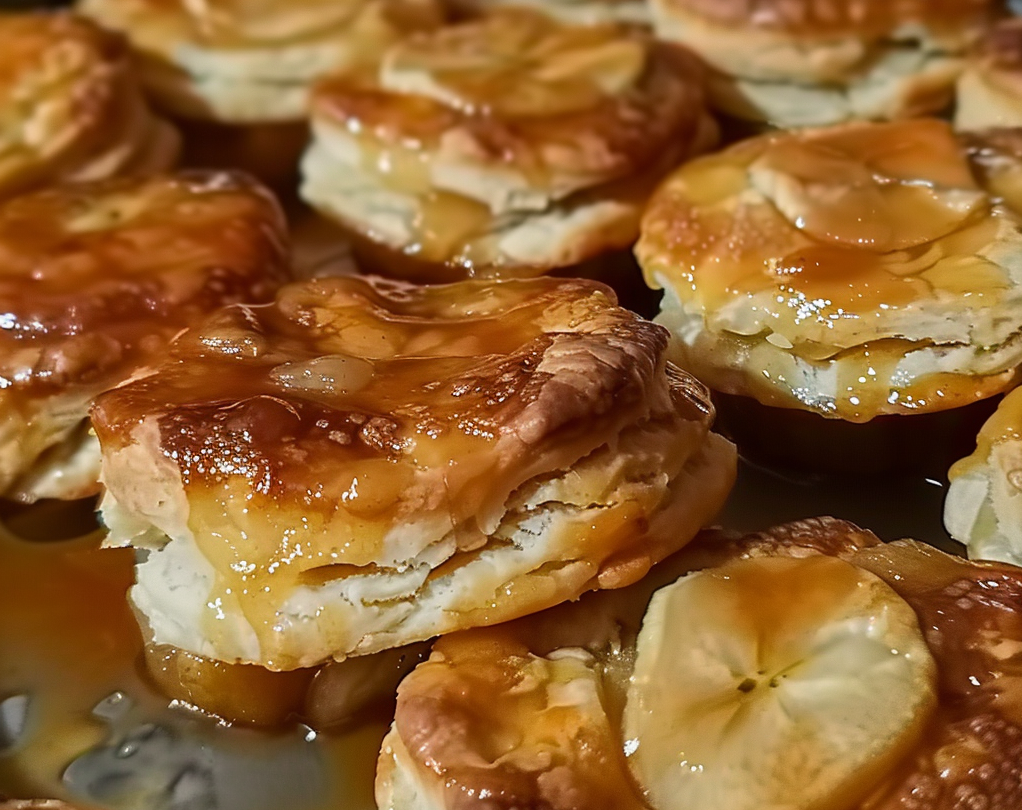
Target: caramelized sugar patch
column 95, row 281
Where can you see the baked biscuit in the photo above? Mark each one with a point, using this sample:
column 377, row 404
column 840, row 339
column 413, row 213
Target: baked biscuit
column 237, row 72
column 95, row 280
column 815, row 62
column 506, row 146
column 989, row 91
column 851, row 272
column 364, row 464
column 252, row 61
column 580, row 12
column 72, row 109
column 883, row 681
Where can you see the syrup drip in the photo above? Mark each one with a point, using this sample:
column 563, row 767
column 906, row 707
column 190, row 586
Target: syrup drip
column 95, row 731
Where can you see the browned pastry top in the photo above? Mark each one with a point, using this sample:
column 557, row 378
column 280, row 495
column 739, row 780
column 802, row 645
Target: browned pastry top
column 527, row 92
column 382, row 399
column 96, row 279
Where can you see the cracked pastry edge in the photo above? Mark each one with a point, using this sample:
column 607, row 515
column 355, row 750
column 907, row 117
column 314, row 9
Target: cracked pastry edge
column 541, row 548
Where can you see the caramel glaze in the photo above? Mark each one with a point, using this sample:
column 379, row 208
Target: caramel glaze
column 69, row 640
column 970, row 614
column 840, row 17
column 336, row 695
column 382, row 373
column 96, row 279
column 850, row 228
column 303, row 432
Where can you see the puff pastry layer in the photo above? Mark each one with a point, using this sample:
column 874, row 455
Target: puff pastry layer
column 815, row 62
column 252, row 61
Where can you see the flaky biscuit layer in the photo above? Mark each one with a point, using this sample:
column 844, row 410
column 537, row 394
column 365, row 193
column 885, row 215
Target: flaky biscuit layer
column 367, row 463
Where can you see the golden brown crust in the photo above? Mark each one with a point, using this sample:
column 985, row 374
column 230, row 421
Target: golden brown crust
column 111, row 265
column 838, row 17
column 73, row 109
column 615, row 136
column 475, row 697
column 423, row 362
column 443, row 456
column 503, row 147
column 96, row 279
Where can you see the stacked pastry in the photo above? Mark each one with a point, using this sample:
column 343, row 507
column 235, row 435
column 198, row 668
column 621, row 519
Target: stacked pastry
column 506, row 146
column 240, row 71
column 363, row 464
column 71, row 106
column 95, row 281
column 853, row 272
column 809, row 666
column 814, row 62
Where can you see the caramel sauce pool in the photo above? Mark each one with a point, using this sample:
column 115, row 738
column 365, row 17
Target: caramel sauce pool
column 80, row 721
